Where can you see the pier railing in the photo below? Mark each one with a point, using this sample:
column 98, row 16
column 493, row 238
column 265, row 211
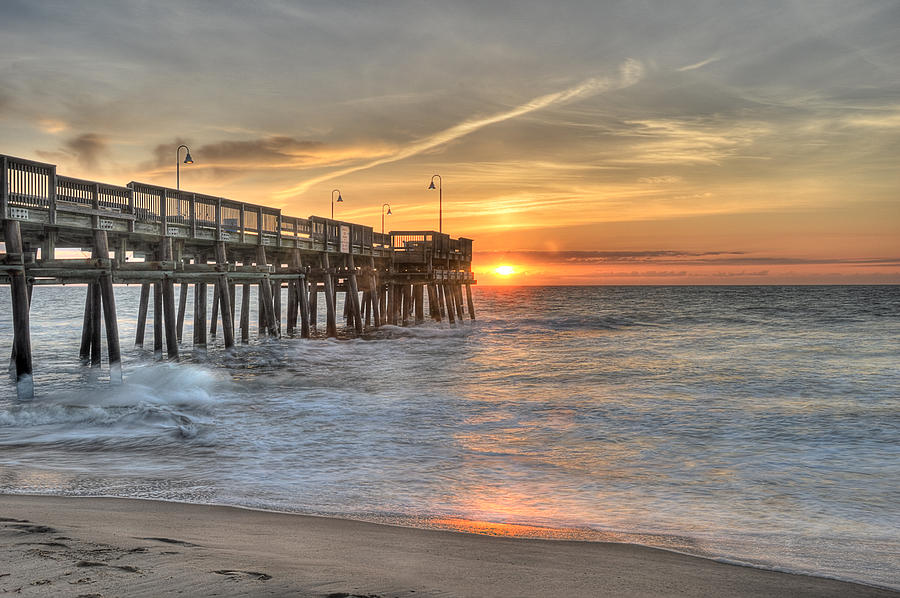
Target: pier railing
column 33, row 191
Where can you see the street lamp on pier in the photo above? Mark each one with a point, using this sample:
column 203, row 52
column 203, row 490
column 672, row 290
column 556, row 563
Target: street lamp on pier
column 338, row 191
column 440, row 199
column 187, row 160
column 382, row 215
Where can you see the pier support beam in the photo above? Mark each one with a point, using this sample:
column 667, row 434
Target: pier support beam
column 458, row 299
column 157, row 320
column 292, row 303
column 276, row 304
column 313, row 304
column 168, row 291
column 214, row 317
column 182, row 304
column 225, row 297
column 265, row 292
column 105, row 287
column 302, row 296
column 331, row 322
column 12, row 235
column 353, row 292
column 245, row 314
column 95, row 323
column 448, row 301
column 200, row 317
column 142, row 315
column 470, row 302
column 407, row 303
column 85, row 353
column 433, row 308
column 419, row 300
column 375, row 293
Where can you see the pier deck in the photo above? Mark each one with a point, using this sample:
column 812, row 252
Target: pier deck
column 159, row 237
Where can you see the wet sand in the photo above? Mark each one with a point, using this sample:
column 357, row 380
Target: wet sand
column 92, row 547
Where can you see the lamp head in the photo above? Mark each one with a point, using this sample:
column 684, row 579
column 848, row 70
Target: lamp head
column 431, row 186
column 188, row 159
column 389, row 212
column 340, row 198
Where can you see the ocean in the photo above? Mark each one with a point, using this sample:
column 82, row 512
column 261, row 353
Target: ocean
column 754, row 425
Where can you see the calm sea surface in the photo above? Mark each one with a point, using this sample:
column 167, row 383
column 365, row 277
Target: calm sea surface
column 758, row 425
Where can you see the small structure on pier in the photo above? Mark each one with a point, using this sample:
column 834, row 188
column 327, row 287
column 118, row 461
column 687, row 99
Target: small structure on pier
column 176, row 237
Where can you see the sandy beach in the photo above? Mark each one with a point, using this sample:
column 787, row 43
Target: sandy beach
column 95, row 547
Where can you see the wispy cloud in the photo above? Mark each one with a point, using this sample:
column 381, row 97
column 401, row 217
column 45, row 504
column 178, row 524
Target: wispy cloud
column 700, row 64
column 631, row 72
column 675, row 257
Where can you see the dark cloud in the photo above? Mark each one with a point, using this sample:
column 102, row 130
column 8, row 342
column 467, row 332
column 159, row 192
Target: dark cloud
column 270, row 150
column 86, row 150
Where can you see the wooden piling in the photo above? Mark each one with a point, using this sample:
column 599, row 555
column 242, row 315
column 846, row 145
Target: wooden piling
column 458, row 300
column 448, row 301
column 214, row 318
column 353, row 291
column 225, row 297
column 168, row 298
column 85, row 351
column 470, row 302
column 200, row 317
column 303, row 300
column 245, row 314
column 105, row 286
column 375, row 293
column 407, row 303
column 390, row 298
column 182, row 305
column 157, row 320
column 265, row 288
column 95, row 324
column 433, row 307
column 313, row 304
column 331, row 321
column 276, row 304
column 291, row 319
column 142, row 315
column 12, row 236
column 419, row 300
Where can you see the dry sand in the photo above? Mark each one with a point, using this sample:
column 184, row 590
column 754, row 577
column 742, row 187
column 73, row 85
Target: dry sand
column 52, row 546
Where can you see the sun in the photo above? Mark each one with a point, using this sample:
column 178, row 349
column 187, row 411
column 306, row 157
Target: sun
column 504, row 270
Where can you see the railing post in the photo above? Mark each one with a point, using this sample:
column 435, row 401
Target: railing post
column 242, row 223
column 4, row 187
column 51, row 193
column 131, row 209
column 278, row 229
column 218, row 219
column 193, row 215
column 163, row 212
column 95, row 204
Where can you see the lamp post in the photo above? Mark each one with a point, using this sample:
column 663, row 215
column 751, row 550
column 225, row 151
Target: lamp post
column 440, row 189
column 332, row 200
column 187, row 160
column 382, row 215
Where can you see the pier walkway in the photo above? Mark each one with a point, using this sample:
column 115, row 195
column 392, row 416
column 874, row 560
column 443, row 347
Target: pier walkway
column 160, row 237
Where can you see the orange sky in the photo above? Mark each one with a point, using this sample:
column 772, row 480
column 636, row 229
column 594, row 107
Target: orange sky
column 584, row 143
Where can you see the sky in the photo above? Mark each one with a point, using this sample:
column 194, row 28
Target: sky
column 578, row 142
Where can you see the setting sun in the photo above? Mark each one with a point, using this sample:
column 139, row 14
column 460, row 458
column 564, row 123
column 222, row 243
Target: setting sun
column 504, row 270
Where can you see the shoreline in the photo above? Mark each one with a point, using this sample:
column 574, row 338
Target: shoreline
column 75, row 546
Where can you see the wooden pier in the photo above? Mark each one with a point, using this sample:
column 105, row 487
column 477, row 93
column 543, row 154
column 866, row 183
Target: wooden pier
column 160, row 238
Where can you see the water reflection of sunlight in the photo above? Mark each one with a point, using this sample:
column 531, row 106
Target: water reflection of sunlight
column 515, row 530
